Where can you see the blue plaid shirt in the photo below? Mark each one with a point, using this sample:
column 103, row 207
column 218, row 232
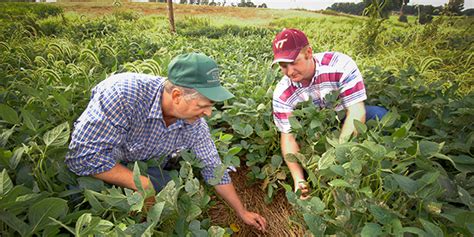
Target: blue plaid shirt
column 124, row 122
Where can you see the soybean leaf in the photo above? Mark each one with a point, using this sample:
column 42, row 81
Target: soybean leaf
column 57, row 136
column 432, row 229
column 39, row 213
column 8, row 114
column 360, row 127
column 29, row 120
column 428, row 149
column 154, row 213
column 340, row 183
column 406, row 184
column 295, row 124
column 371, row 229
column 315, row 224
column 5, row 183
column 16, row 158
column 415, row 230
column 381, row 214
column 14, row 222
column 216, row 231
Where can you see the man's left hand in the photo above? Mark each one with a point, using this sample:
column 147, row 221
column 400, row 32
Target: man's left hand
column 255, row 220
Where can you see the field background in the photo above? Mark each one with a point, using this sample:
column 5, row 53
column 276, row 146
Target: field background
column 409, row 174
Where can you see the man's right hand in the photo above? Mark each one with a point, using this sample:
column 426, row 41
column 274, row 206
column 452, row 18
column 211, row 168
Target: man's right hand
column 304, row 187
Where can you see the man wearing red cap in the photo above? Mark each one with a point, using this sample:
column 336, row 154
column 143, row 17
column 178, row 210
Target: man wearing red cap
column 311, row 76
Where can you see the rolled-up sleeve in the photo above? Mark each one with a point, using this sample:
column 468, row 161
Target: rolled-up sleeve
column 206, row 151
column 97, row 132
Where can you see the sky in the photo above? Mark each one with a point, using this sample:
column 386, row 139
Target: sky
column 323, row 4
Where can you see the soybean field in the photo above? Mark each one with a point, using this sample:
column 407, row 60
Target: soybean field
column 408, row 174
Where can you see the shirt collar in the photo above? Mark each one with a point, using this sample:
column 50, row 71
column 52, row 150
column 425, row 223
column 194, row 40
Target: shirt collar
column 155, row 111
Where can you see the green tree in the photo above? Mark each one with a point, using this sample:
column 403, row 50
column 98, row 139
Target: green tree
column 454, row 7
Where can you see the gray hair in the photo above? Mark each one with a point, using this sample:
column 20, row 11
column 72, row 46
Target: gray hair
column 188, row 93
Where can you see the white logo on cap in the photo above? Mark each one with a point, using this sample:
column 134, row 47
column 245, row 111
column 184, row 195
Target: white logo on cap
column 279, row 44
column 214, row 74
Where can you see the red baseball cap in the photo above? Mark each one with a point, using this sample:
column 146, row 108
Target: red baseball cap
column 288, row 44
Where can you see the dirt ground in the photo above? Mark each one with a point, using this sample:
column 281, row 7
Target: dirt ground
column 276, row 213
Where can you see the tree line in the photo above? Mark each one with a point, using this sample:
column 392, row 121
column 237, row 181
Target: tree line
column 453, row 7
column 243, row 3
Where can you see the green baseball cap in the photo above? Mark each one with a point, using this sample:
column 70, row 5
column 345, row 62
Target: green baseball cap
column 197, row 71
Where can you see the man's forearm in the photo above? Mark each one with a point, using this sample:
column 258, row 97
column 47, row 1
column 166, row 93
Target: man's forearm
column 228, row 193
column 354, row 112
column 289, row 146
column 121, row 176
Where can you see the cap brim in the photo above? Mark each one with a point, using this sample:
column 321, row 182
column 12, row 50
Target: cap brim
column 280, row 60
column 218, row 93
column 286, row 56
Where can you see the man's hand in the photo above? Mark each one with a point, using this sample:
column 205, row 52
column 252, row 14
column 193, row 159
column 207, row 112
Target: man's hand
column 254, row 219
column 303, row 186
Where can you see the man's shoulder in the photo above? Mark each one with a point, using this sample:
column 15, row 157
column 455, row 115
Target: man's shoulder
column 129, row 80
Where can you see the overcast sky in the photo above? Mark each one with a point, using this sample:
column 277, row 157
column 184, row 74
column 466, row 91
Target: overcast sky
column 323, row 4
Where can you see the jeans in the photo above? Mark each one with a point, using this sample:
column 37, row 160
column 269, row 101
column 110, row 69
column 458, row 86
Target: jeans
column 373, row 112
column 159, row 177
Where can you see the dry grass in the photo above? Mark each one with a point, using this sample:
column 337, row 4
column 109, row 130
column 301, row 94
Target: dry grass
column 230, row 15
column 276, row 213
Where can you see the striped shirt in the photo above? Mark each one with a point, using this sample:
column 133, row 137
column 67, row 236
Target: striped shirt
column 124, row 122
column 334, row 72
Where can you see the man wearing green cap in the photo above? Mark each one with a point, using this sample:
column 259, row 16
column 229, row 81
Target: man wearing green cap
column 134, row 117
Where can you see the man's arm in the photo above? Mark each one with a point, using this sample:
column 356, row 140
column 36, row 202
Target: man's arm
column 353, row 112
column 289, row 146
column 122, row 176
column 228, row 193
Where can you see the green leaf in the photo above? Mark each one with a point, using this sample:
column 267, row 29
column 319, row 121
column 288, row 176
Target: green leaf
column 327, row 159
column 432, row 229
column 295, row 124
column 29, row 120
column 315, row 224
column 428, row 149
column 192, row 186
column 5, row 183
column 316, row 204
column 40, row 212
column 57, row 136
column 371, row 230
column 14, row 222
column 340, row 183
column 216, row 231
column 466, row 198
column 8, row 114
column 154, row 213
column 360, row 127
column 234, row 150
column 406, row 184
column 400, row 133
column 381, row 214
column 16, row 158
column 415, row 230
column 276, row 161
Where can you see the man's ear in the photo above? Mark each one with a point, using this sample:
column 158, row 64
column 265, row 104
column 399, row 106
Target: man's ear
column 309, row 52
column 176, row 95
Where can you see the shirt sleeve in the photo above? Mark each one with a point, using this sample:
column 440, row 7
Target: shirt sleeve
column 352, row 88
column 281, row 110
column 100, row 129
column 206, row 151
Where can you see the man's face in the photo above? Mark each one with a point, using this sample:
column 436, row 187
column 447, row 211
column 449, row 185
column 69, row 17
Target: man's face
column 300, row 69
column 191, row 110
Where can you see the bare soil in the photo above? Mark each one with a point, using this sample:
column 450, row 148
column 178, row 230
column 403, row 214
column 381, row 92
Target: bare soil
column 276, row 213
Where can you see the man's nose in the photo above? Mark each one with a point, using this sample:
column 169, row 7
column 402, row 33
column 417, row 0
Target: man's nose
column 289, row 70
column 207, row 112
